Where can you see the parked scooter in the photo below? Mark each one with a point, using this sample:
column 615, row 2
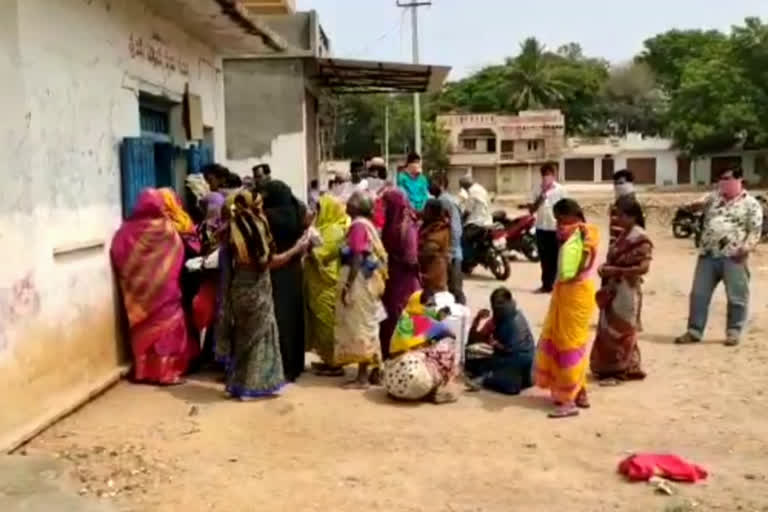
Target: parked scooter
column 521, row 234
column 764, row 203
column 486, row 246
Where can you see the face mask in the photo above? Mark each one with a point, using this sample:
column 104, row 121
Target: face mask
column 564, row 233
column 730, row 188
column 623, row 189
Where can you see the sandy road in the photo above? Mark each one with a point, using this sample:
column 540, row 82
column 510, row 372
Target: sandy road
column 321, row 448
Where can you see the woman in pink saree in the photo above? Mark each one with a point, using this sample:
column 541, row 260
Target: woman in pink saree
column 148, row 256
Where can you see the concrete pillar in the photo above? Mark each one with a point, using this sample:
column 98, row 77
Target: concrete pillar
column 597, row 169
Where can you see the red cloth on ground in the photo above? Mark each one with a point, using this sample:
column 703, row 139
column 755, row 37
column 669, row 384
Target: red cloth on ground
column 643, row 466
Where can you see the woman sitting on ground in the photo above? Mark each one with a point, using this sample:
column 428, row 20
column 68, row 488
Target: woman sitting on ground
column 615, row 355
column 422, row 362
column 500, row 354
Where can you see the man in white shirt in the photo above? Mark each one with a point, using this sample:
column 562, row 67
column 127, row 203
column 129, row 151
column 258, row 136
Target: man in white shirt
column 478, row 215
column 477, row 204
column 544, row 199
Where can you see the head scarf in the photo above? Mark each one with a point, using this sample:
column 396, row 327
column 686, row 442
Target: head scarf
column 249, row 230
column 214, row 202
column 417, row 326
column 435, row 218
column 332, row 213
column 399, row 220
column 172, row 209
column 284, row 213
column 149, row 205
column 413, row 326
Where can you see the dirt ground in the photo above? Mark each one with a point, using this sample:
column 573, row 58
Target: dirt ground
column 321, row 448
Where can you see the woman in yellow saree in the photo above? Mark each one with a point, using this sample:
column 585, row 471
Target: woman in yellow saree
column 321, row 274
column 561, row 355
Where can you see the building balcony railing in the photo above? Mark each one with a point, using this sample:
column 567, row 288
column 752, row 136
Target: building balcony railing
column 469, row 158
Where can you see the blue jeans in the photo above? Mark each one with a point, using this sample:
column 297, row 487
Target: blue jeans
column 709, row 272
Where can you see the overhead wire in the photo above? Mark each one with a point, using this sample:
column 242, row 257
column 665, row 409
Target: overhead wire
column 368, row 47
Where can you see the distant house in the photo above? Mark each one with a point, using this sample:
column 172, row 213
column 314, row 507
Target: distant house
column 654, row 161
column 504, row 153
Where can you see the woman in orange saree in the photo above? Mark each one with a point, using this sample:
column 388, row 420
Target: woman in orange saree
column 561, row 355
column 148, row 256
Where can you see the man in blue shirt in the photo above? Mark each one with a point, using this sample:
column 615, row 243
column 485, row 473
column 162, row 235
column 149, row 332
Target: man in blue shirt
column 451, row 206
column 414, row 183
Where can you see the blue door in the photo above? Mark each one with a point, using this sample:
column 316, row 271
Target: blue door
column 137, row 166
column 164, row 156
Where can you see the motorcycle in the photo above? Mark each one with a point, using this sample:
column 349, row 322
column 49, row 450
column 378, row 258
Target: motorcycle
column 688, row 222
column 486, row 246
column 764, row 203
column 521, row 234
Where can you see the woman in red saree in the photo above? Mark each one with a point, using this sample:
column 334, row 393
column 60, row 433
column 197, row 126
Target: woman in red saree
column 615, row 355
column 148, row 256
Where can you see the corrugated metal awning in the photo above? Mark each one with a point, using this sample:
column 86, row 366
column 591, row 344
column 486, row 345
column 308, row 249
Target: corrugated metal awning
column 348, row 76
column 224, row 24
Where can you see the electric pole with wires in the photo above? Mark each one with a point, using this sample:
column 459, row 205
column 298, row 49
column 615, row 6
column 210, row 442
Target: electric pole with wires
column 414, row 6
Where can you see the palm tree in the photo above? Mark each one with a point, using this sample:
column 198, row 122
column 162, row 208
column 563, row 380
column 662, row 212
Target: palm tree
column 532, row 81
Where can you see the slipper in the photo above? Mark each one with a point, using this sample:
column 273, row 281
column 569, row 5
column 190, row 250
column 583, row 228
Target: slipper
column 563, row 412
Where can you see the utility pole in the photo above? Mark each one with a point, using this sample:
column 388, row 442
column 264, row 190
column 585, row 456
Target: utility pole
column 414, row 6
column 386, row 135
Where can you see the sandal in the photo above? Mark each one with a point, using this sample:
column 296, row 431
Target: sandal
column 582, row 401
column 686, row 339
column 567, row 411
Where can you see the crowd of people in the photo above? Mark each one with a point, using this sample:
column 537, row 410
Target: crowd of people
column 368, row 272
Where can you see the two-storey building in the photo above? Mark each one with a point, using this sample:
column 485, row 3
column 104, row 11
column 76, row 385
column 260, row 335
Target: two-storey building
column 502, row 152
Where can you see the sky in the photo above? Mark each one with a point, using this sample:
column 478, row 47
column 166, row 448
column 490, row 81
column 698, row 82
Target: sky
column 469, row 34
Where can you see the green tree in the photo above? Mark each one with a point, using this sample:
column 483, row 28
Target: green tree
column 436, row 147
column 668, row 54
column 720, row 98
column 630, row 101
column 714, row 108
column 533, row 83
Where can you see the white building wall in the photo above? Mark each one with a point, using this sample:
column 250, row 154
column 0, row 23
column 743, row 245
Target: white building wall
column 69, row 95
